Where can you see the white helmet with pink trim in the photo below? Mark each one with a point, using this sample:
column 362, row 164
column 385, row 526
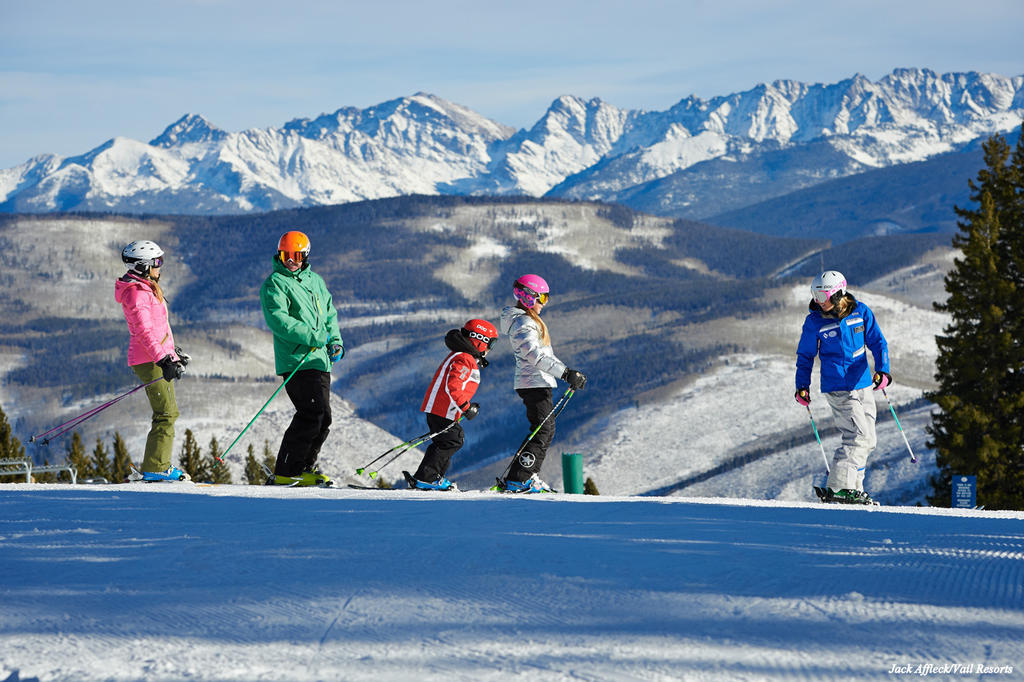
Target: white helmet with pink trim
column 828, row 285
column 531, row 290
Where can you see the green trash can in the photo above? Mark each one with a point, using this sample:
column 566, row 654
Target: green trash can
column 572, row 473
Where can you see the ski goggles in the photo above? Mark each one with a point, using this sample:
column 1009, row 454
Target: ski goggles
column 480, row 337
column 293, row 256
column 821, row 295
column 543, row 298
column 156, row 262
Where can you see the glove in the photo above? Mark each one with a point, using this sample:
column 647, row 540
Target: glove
column 335, row 352
column 471, row 410
column 574, row 378
column 803, row 396
column 881, row 380
column 172, row 370
column 183, row 357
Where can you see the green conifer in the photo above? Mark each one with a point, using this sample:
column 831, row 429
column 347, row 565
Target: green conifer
column 101, row 464
column 10, row 447
column 980, row 367
column 191, row 459
column 253, row 471
column 77, row 457
column 219, row 473
column 122, row 462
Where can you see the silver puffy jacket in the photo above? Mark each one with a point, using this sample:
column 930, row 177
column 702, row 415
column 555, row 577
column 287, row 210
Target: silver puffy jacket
column 536, row 365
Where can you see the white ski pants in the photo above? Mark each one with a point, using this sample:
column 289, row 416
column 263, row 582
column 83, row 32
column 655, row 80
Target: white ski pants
column 854, row 415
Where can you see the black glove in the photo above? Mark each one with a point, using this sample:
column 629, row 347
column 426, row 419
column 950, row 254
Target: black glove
column 183, row 357
column 471, row 410
column 574, row 378
column 803, row 396
column 172, row 370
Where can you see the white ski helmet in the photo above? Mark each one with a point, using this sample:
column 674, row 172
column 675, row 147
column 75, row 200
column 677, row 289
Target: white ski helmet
column 828, row 285
column 142, row 255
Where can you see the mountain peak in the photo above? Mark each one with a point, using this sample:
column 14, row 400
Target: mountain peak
column 190, row 128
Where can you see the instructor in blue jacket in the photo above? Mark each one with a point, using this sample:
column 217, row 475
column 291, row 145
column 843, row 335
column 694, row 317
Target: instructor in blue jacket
column 840, row 330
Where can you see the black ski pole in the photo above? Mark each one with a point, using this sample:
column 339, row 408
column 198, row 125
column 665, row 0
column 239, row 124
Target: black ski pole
column 406, row 446
column 555, row 411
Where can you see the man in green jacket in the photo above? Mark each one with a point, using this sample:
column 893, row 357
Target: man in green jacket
column 301, row 315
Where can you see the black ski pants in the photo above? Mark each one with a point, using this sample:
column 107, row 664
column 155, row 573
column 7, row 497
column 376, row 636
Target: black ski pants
column 439, row 453
column 310, row 393
column 538, row 406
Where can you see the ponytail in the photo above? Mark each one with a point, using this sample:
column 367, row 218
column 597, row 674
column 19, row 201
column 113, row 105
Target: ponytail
column 545, row 338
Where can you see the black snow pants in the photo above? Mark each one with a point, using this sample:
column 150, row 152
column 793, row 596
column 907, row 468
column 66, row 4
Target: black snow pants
column 538, row 406
column 439, row 453
column 310, row 392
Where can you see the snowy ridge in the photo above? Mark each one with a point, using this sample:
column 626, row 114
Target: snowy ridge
column 583, row 149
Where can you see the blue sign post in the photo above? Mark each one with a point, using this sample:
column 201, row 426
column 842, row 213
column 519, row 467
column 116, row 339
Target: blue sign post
column 965, row 492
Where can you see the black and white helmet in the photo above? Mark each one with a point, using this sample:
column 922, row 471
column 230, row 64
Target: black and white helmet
column 142, row 255
column 828, row 285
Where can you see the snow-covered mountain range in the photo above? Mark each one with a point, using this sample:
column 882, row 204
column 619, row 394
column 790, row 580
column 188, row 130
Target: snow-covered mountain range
column 787, row 135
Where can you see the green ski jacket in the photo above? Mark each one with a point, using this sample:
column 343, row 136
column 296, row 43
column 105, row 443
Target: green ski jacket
column 301, row 315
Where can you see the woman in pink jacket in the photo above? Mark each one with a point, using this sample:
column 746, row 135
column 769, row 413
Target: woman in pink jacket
column 151, row 352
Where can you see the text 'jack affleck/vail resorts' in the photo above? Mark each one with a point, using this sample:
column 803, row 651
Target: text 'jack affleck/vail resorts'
column 924, row 669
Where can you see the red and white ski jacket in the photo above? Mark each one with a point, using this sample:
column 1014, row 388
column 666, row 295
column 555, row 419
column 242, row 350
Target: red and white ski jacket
column 454, row 384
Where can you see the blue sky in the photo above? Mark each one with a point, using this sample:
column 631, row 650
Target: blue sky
column 74, row 74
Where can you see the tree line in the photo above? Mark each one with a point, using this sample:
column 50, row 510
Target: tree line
column 114, row 463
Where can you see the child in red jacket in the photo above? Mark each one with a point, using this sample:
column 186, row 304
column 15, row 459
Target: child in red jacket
column 448, row 400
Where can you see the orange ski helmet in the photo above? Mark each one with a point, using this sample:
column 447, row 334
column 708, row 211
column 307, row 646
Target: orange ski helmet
column 293, row 246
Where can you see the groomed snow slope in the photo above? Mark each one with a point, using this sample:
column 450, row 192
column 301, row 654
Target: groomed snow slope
column 177, row 581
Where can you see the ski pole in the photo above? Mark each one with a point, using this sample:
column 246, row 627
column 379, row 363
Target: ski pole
column 225, row 453
column 406, row 446
column 913, row 457
column 75, row 421
column 815, row 428
column 555, row 411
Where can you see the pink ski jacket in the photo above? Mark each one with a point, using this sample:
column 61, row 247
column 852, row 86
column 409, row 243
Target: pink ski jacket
column 151, row 337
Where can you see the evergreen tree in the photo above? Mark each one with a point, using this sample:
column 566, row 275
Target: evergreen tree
column 269, row 458
column 219, row 472
column 121, row 467
column 101, row 461
column 77, row 457
column 10, row 447
column 191, row 459
column 253, row 471
column 980, row 367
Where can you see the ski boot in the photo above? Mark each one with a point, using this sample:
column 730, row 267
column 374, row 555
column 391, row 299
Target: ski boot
column 531, row 485
column 844, row 496
column 441, row 483
column 319, row 478
column 172, row 473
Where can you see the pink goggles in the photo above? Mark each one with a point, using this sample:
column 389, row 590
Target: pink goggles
column 821, row 295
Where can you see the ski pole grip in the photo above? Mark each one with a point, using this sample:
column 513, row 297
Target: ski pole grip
column 572, row 473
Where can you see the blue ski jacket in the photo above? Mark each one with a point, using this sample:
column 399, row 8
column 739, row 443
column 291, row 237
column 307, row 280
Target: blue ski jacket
column 841, row 344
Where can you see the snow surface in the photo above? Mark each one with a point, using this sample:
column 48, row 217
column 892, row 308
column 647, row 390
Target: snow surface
column 177, row 581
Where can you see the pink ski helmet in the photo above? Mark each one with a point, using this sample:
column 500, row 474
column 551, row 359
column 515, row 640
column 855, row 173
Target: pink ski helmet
column 530, row 290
